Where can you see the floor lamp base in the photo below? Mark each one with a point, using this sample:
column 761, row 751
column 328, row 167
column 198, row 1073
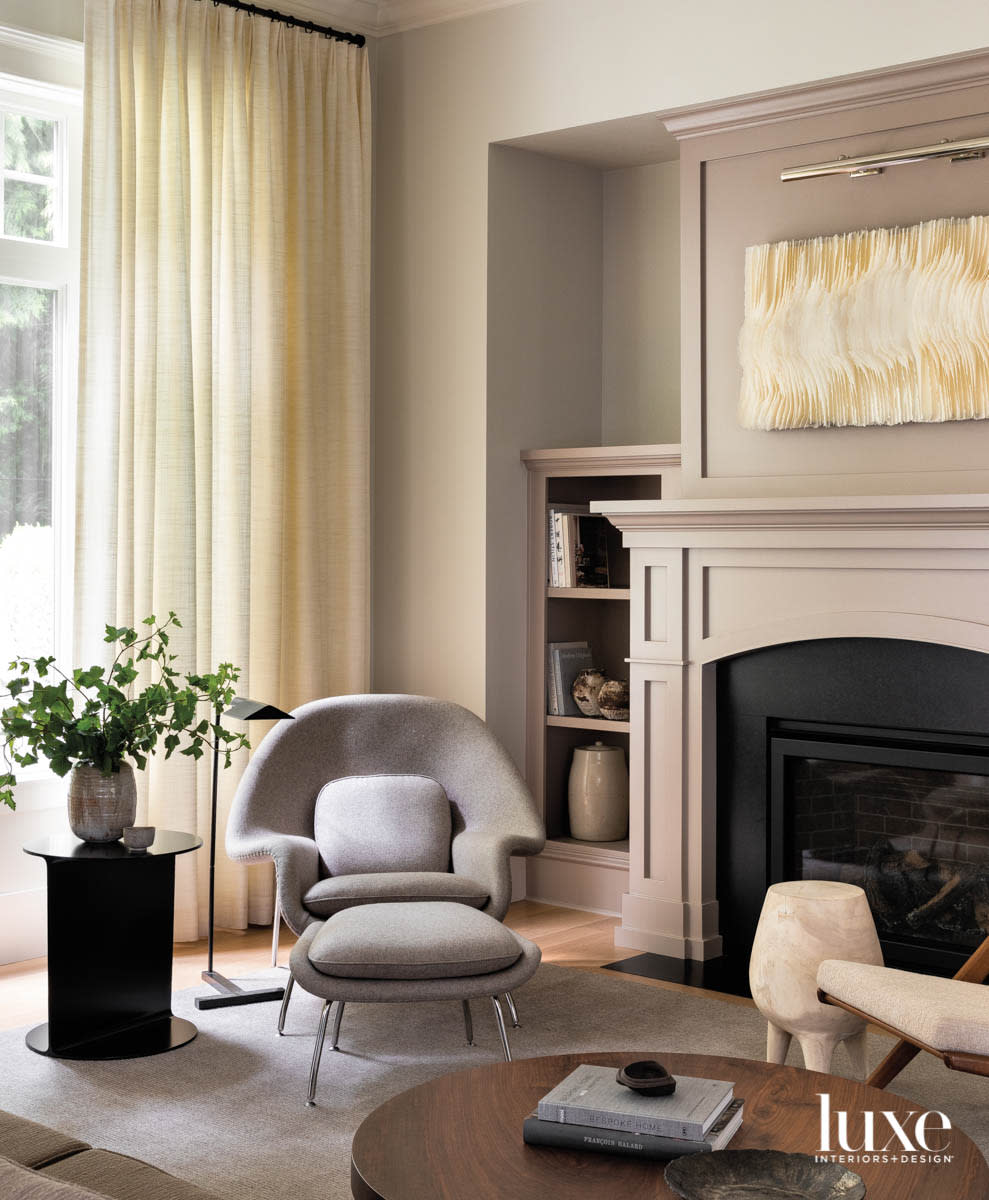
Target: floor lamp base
column 230, row 994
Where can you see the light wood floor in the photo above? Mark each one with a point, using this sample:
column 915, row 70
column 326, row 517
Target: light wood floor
column 566, row 936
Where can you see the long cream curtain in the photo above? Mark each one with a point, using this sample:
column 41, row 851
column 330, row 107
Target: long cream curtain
column 223, row 461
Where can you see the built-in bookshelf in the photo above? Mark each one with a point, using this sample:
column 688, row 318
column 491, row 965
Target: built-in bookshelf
column 596, row 615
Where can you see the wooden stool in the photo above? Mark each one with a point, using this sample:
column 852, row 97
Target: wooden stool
column 804, row 922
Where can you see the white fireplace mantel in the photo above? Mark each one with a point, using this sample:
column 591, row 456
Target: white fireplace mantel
column 712, row 578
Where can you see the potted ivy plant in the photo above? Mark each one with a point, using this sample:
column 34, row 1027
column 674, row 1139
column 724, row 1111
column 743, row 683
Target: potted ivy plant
column 96, row 724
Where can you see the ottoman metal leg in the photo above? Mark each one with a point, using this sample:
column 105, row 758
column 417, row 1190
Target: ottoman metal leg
column 337, row 1018
column 513, row 1011
column 317, row 1054
column 499, row 1017
column 283, row 1012
column 468, row 1022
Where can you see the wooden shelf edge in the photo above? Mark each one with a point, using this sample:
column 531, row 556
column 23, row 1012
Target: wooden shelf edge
column 588, row 723
column 588, row 593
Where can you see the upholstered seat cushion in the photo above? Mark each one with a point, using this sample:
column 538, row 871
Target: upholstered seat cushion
column 942, row 1013
column 439, row 940
column 366, row 823
column 21, row 1183
column 121, row 1177
column 33, row 1145
column 344, row 891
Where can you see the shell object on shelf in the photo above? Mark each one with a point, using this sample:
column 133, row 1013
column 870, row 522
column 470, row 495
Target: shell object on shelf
column 586, row 686
column 613, row 699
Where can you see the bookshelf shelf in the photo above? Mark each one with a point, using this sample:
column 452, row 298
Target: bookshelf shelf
column 586, row 873
column 588, row 593
column 589, row 723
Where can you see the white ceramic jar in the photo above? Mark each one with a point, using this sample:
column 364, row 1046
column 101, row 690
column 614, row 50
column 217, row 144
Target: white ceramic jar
column 598, row 793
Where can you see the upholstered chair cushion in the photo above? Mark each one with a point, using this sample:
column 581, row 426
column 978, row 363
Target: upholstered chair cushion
column 946, row 1014
column 412, row 941
column 344, row 891
column 20, row 1183
column 121, row 1177
column 33, row 1145
column 368, row 823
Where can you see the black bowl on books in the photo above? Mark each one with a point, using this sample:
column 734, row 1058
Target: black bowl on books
column 768, row 1174
column 647, row 1077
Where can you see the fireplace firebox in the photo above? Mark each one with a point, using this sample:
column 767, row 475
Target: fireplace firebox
column 866, row 761
column 905, row 819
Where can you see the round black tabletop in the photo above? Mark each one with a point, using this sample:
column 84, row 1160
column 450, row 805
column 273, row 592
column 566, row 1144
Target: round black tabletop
column 67, row 845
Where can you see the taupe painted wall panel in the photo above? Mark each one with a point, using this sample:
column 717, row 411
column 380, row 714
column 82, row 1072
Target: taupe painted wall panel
column 744, row 203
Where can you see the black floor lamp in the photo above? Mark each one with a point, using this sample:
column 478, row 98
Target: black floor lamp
column 228, row 992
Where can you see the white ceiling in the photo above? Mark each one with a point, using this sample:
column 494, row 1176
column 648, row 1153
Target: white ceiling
column 380, row 17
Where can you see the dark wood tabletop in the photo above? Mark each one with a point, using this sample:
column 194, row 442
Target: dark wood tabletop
column 459, row 1137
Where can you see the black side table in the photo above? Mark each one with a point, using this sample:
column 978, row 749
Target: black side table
column 110, row 923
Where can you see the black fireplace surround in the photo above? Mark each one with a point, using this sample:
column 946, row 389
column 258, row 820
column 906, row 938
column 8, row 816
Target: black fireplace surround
column 864, row 760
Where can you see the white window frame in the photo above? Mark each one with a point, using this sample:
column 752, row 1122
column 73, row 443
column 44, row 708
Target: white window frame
column 54, row 265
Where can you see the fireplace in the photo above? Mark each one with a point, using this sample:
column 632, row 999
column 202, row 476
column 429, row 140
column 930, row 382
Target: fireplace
column 906, row 819
column 759, row 617
column 899, row 805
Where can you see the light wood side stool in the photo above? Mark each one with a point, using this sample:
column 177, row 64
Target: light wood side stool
column 804, row 922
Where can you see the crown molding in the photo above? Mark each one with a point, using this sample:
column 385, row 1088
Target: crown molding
column 379, row 18
column 397, row 16
column 906, row 82
column 354, row 16
column 27, row 42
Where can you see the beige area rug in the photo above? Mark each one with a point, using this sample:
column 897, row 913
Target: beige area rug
column 227, row 1111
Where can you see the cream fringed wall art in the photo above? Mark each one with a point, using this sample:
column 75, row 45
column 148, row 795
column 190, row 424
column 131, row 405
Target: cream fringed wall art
column 878, row 327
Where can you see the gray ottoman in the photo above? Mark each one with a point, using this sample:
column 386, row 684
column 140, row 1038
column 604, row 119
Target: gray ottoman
column 401, row 952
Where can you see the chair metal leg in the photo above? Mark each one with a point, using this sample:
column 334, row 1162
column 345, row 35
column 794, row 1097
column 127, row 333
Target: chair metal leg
column 276, row 927
column 500, row 1018
column 468, row 1022
column 317, row 1054
column 513, row 1011
column 284, row 1009
column 337, row 1018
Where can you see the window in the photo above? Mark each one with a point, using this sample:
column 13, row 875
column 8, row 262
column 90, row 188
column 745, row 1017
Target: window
column 33, row 194
column 39, row 283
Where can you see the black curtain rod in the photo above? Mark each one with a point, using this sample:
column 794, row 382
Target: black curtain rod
column 355, row 39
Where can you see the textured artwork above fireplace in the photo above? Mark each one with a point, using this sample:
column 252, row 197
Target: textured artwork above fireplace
column 875, row 327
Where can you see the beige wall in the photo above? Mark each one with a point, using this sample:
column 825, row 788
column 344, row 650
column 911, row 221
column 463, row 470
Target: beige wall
column 57, row 18
column 640, row 368
column 543, row 376
column 445, row 93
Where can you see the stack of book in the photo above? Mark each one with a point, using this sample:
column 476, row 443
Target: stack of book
column 591, row 1110
column 564, row 660
column 577, row 547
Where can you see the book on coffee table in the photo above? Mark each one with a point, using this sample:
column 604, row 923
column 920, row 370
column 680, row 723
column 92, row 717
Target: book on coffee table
column 536, row 1132
column 593, row 1096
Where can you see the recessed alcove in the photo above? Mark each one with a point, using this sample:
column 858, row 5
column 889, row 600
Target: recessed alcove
column 583, row 350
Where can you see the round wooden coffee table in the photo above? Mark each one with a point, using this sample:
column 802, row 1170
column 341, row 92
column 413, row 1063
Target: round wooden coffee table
column 460, row 1136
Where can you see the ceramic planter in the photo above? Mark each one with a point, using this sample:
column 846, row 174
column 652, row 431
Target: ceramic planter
column 100, row 806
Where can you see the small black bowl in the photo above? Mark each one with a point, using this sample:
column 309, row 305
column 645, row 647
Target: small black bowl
column 647, row 1077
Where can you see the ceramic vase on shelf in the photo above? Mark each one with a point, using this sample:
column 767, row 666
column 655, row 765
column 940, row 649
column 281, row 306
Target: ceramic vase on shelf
column 598, row 794
column 585, row 688
column 101, row 806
